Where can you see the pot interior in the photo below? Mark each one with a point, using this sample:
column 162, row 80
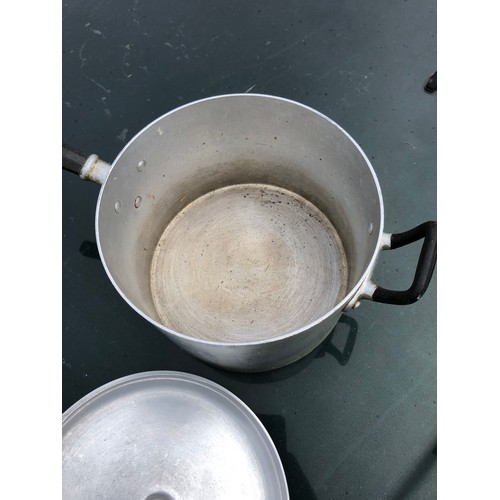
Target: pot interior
column 247, row 262
column 239, row 218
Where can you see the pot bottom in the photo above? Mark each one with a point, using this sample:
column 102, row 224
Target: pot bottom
column 247, row 262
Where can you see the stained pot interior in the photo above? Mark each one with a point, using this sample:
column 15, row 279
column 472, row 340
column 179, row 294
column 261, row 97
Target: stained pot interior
column 226, row 141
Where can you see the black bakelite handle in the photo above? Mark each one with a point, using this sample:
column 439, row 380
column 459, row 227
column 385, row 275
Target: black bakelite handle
column 425, row 266
column 72, row 159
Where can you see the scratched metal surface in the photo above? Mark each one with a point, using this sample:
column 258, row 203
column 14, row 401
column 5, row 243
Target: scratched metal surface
column 198, row 289
column 357, row 417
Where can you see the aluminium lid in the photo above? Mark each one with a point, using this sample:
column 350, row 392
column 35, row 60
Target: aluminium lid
column 167, row 435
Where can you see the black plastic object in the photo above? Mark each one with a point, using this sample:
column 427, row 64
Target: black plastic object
column 431, row 85
column 425, row 266
column 72, row 159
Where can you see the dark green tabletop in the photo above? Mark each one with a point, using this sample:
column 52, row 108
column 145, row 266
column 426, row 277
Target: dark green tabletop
column 356, row 417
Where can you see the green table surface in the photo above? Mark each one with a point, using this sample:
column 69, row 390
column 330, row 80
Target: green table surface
column 356, row 417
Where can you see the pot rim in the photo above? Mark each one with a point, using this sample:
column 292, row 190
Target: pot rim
column 340, row 306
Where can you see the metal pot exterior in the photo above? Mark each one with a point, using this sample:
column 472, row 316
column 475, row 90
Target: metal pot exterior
column 258, row 357
column 223, row 141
